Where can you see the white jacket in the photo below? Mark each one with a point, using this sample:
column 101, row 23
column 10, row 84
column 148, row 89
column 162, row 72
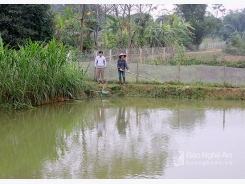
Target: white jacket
column 100, row 62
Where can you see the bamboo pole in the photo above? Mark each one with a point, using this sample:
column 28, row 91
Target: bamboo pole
column 179, row 73
column 141, row 57
column 164, row 52
column 110, row 56
column 137, row 71
column 147, row 78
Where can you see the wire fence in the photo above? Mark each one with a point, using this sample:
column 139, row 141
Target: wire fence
column 206, row 46
column 144, row 66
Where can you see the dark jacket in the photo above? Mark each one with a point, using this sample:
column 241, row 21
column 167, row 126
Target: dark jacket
column 122, row 64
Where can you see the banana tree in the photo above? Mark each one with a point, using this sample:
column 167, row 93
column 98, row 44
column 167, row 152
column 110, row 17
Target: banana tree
column 172, row 32
column 67, row 27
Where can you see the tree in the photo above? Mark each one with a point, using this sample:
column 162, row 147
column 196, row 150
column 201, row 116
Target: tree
column 20, row 22
column 93, row 20
column 213, row 25
column 233, row 22
column 81, row 31
column 68, row 27
column 194, row 14
column 236, row 44
column 226, row 31
column 218, row 8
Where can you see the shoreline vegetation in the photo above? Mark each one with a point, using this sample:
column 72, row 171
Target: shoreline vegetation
column 37, row 74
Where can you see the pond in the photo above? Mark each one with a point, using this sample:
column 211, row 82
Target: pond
column 125, row 138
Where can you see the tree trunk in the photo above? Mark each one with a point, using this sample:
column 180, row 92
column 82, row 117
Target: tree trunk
column 129, row 31
column 105, row 29
column 81, row 31
column 96, row 27
column 120, row 25
column 137, row 26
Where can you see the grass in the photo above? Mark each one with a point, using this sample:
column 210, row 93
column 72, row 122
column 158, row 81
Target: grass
column 34, row 75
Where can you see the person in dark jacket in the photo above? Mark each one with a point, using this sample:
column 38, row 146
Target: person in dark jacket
column 121, row 66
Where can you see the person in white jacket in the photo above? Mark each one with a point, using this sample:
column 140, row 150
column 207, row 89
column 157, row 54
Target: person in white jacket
column 100, row 64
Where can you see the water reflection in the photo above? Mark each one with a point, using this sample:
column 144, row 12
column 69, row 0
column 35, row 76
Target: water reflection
column 122, row 120
column 187, row 119
column 100, row 118
column 223, row 118
column 111, row 139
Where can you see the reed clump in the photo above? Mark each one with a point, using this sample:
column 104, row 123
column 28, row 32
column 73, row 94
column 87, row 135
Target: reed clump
column 36, row 73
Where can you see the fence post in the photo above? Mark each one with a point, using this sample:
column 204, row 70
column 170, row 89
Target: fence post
column 141, row 57
column 95, row 54
column 214, row 55
column 110, row 56
column 179, row 73
column 152, row 53
column 127, row 53
column 137, row 71
column 224, row 73
column 164, row 53
column 201, row 73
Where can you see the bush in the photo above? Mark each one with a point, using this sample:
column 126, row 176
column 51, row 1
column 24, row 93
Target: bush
column 235, row 46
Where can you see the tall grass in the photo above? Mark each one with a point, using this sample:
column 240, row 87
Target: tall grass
column 34, row 74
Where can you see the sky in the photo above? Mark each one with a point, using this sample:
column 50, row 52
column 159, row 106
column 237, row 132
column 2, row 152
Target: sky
column 163, row 4
column 170, row 7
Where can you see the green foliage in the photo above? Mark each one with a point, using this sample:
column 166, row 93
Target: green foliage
column 21, row 22
column 114, row 32
column 181, row 56
column 233, row 22
column 174, row 31
column 194, row 14
column 68, row 27
column 213, row 26
column 87, row 43
column 36, row 74
column 236, row 45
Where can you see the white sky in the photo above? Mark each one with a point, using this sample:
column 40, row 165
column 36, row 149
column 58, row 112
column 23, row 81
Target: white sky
column 168, row 4
column 169, row 7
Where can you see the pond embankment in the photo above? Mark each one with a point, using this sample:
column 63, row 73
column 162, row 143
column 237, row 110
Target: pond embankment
column 167, row 91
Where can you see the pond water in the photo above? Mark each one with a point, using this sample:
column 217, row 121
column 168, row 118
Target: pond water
column 125, row 138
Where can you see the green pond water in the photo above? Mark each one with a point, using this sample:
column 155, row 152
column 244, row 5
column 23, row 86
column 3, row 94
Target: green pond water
column 125, row 138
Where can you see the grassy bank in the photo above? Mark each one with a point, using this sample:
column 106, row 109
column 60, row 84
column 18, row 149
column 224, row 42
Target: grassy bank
column 172, row 91
column 36, row 75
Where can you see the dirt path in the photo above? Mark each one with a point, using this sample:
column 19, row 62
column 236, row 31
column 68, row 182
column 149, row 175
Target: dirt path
column 206, row 51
